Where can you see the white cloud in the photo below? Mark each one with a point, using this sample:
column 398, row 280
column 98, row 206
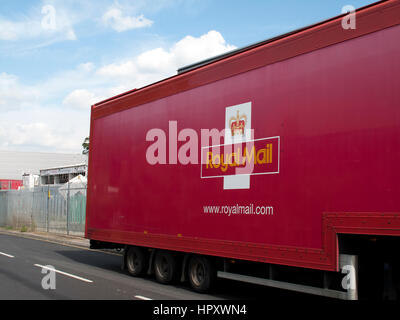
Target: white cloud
column 115, row 19
column 81, row 99
column 14, row 95
column 70, row 35
column 86, row 67
column 28, row 133
column 159, row 63
column 43, row 129
column 156, row 60
column 53, row 115
column 191, row 49
column 8, row 30
column 120, row 69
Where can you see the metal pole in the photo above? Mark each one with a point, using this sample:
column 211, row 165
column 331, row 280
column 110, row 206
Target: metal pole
column 48, row 200
column 33, row 204
column 68, row 210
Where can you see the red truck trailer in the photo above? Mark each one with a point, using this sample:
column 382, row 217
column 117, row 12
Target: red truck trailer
column 275, row 164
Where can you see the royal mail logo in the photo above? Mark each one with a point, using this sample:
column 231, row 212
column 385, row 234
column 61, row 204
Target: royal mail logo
column 241, row 156
column 238, row 124
column 252, row 157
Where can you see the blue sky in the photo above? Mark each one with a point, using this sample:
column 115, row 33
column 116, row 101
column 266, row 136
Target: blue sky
column 59, row 57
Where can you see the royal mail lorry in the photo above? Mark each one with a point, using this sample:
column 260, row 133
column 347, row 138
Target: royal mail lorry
column 276, row 164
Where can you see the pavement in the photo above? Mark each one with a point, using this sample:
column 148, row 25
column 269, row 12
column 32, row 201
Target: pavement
column 50, row 237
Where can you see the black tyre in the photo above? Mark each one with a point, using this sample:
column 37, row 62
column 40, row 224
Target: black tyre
column 136, row 261
column 166, row 267
column 201, row 273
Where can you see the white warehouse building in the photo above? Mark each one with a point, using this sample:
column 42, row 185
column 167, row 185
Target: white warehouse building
column 15, row 165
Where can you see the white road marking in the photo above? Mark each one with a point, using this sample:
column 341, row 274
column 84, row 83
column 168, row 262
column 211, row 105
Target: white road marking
column 7, row 255
column 64, row 273
column 142, row 298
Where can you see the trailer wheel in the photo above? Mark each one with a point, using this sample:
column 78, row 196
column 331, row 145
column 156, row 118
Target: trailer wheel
column 136, row 261
column 165, row 267
column 202, row 273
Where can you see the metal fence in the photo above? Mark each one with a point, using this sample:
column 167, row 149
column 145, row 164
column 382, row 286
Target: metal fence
column 54, row 208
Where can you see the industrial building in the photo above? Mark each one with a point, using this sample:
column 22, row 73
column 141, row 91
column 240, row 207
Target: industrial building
column 15, row 165
column 59, row 175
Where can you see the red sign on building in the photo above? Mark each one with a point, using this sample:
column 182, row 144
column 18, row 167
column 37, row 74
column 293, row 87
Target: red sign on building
column 10, row 184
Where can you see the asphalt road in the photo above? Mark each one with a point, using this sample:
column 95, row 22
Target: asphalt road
column 88, row 274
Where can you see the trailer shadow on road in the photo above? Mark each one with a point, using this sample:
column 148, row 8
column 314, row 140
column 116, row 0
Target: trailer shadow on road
column 98, row 259
column 224, row 289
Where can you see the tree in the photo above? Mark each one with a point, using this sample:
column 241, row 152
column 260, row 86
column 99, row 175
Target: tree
column 85, row 146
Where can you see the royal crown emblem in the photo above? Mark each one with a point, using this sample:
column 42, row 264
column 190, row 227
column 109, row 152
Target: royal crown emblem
column 238, row 124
